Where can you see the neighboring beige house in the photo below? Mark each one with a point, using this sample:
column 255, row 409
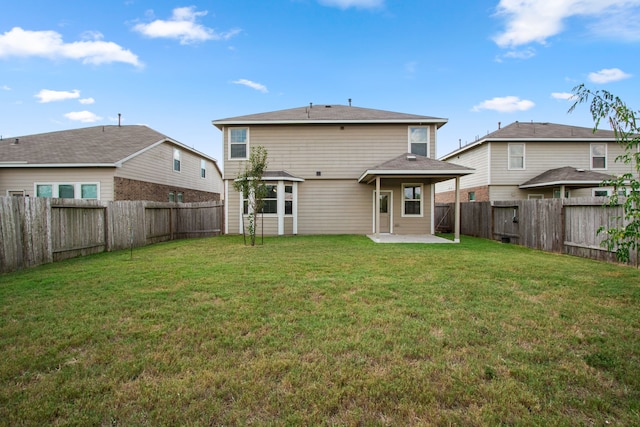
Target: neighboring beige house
column 535, row 161
column 335, row 169
column 107, row 163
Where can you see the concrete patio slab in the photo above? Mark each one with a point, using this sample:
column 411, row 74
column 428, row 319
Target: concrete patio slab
column 408, row 238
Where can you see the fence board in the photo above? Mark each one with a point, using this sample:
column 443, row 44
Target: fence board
column 555, row 225
column 35, row 231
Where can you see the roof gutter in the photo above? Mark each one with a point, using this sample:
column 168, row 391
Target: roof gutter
column 221, row 123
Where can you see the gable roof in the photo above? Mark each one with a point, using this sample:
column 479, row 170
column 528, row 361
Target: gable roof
column 413, row 165
column 538, row 131
column 325, row 114
column 567, row 175
column 98, row 146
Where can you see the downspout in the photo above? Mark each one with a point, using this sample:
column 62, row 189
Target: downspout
column 456, row 235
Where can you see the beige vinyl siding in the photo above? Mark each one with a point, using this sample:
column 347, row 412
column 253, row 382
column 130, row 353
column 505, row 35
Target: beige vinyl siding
column 409, row 224
column 478, row 159
column 336, row 151
column 334, row 207
column 24, row 179
column 542, row 156
column 156, row 165
column 339, row 207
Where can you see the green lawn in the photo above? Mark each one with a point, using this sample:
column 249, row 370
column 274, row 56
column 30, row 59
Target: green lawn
column 326, row 330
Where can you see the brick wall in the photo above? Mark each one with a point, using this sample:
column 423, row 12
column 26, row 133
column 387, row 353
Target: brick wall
column 130, row 189
column 482, row 195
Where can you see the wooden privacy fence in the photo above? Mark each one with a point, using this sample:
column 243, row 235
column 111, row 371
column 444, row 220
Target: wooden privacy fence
column 36, row 230
column 556, row 225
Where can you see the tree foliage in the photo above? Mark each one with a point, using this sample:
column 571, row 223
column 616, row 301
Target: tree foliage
column 250, row 184
column 624, row 237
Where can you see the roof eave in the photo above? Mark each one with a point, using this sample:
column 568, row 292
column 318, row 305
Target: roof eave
column 557, row 183
column 221, row 123
column 56, row 165
column 420, row 173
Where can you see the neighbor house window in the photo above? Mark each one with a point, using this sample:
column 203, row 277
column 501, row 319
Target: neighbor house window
column 69, row 190
column 472, row 196
column 15, row 193
column 238, row 143
column 203, row 169
column 600, row 193
column 557, row 193
column 172, row 197
column 180, row 198
column 516, row 156
column 535, row 196
column 44, row 190
column 598, row 156
column 419, row 141
column 66, row 191
column 89, row 191
column 411, row 200
column 176, row 160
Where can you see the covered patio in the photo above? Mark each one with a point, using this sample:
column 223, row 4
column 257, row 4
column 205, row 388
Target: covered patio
column 409, row 167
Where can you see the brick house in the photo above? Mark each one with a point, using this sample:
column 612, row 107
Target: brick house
column 107, row 163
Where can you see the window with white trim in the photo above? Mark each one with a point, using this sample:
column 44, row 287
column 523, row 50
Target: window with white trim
column 270, row 201
column 238, row 143
column 419, row 140
column 203, row 168
column 411, row 199
column 68, row 190
column 535, row 196
column 472, row 196
column 176, row 160
column 557, row 193
column 516, row 156
column 288, row 199
column 598, row 156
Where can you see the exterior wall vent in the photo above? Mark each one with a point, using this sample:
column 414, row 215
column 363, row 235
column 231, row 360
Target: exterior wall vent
column 411, row 157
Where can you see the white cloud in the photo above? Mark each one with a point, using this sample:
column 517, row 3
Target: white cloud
column 49, row 44
column 5, row 87
column 86, row 101
column 530, row 21
column 360, row 4
column 607, row 75
column 253, row 85
column 562, row 95
column 83, row 116
column 505, row 104
column 183, row 26
column 46, row 95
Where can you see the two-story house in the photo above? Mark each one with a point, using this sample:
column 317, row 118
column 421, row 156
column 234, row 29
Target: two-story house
column 534, row 161
column 336, row 169
column 107, row 163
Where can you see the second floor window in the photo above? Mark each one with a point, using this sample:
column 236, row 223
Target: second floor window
column 598, row 156
column 203, row 169
column 419, row 141
column 516, row 156
column 238, row 143
column 176, row 160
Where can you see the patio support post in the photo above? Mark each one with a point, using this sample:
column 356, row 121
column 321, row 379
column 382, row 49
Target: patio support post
column 456, row 236
column 377, row 203
column 562, row 191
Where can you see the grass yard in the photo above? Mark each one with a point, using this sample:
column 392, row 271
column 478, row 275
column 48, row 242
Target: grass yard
column 325, row 330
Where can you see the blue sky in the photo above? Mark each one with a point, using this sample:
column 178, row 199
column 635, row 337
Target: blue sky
column 177, row 66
